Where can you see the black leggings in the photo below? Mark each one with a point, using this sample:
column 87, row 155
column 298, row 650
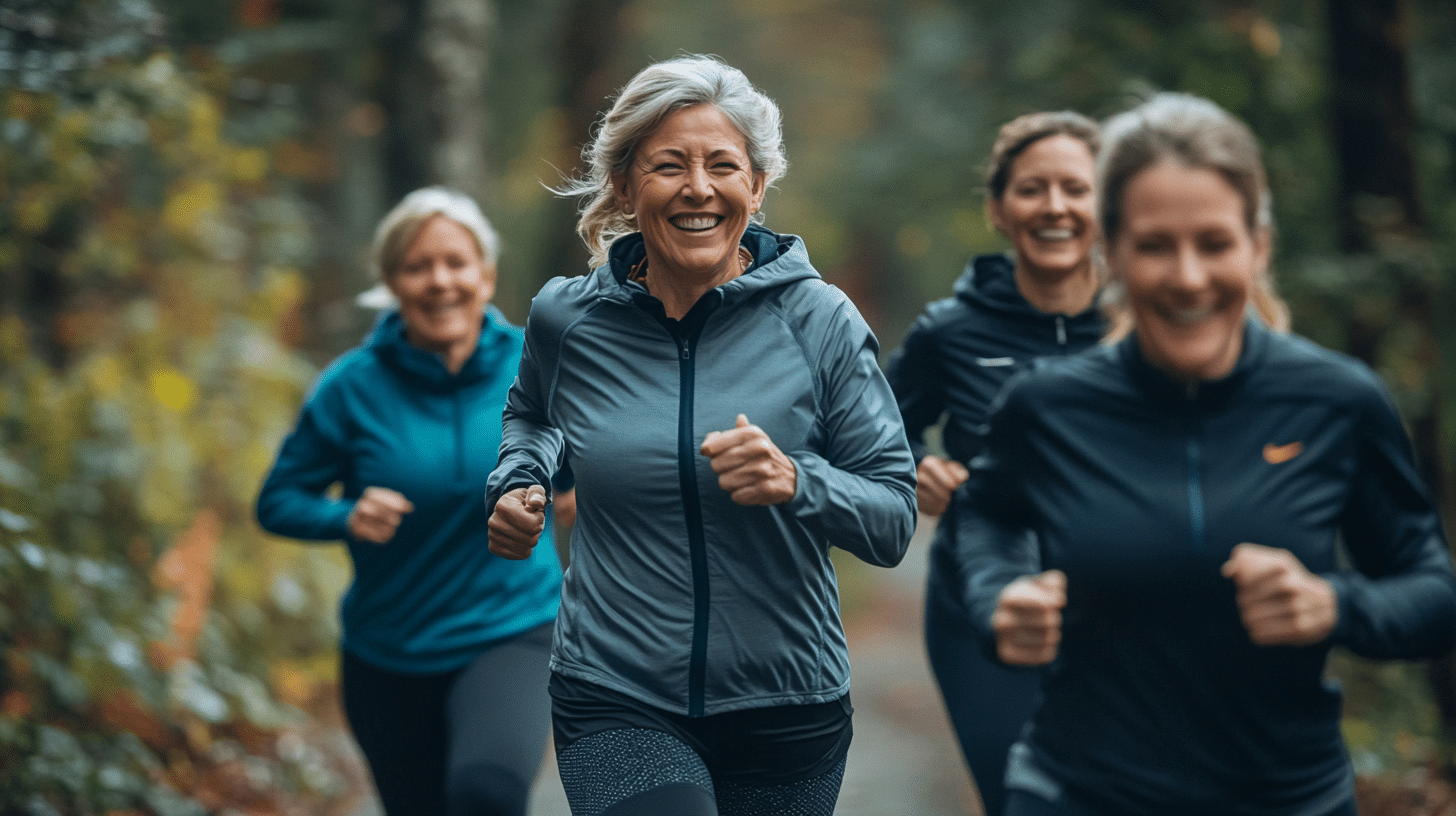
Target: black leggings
column 642, row 772
column 464, row 743
column 988, row 703
column 1021, row 803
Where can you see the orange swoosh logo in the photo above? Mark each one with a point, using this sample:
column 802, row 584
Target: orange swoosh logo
column 1279, row 454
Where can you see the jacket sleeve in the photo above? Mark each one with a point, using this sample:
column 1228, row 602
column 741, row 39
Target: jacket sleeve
column 993, row 536
column 1400, row 601
column 858, row 491
column 293, row 501
column 916, row 379
column 531, row 447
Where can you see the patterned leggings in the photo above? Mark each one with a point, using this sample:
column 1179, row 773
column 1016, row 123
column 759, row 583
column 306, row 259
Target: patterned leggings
column 641, row 772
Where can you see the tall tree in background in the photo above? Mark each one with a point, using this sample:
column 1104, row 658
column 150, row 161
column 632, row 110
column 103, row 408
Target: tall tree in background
column 434, row 58
column 589, row 39
column 1381, row 219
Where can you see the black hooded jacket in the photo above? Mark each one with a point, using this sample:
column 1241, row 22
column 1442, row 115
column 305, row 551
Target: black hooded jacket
column 963, row 348
column 1138, row 486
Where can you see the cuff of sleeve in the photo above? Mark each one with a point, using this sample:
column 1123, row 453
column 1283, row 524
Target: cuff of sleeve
column 1341, row 633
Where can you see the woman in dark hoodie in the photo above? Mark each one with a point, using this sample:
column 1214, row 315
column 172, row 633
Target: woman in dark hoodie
column 1007, row 309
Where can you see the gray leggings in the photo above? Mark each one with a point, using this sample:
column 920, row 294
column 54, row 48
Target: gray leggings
column 641, row 772
column 461, row 743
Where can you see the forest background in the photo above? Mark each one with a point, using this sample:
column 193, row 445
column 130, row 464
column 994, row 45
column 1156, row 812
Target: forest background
column 186, row 189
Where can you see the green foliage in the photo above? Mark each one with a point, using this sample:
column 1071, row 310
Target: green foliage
column 148, row 283
column 185, row 187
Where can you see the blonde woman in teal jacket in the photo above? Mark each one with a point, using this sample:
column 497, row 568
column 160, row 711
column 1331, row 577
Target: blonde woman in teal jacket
column 445, row 645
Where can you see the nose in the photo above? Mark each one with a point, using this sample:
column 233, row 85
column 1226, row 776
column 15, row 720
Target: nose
column 697, row 184
column 1056, row 200
column 1189, row 271
column 439, row 274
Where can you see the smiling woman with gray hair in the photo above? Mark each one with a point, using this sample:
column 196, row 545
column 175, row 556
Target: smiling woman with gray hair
column 727, row 423
column 445, row 646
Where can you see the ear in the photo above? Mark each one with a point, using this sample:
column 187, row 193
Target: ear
column 487, row 282
column 620, row 194
column 1263, row 251
column 995, row 216
column 760, row 188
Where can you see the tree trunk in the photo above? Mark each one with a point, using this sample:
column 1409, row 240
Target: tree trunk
column 589, row 34
column 434, row 60
column 1379, row 208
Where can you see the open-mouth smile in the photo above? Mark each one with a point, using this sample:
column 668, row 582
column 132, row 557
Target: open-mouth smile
column 696, row 223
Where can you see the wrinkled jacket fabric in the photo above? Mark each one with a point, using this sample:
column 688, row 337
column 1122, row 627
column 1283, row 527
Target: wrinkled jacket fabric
column 955, row 359
column 1138, row 486
column 389, row 414
column 677, row 596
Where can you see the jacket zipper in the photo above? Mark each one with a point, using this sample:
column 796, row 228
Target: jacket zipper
column 693, row 516
column 1062, row 331
column 1194, row 453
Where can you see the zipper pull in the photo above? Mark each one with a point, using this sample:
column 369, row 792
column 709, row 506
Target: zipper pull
column 686, row 355
column 1061, row 330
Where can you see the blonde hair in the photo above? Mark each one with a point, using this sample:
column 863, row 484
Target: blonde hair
column 398, row 228
column 1196, row 133
column 654, row 93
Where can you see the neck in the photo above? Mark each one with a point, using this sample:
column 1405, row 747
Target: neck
column 679, row 289
column 453, row 355
column 1067, row 294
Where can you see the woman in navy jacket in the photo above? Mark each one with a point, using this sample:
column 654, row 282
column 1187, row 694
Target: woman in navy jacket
column 1007, row 310
column 1160, row 519
column 728, row 424
column 444, row 644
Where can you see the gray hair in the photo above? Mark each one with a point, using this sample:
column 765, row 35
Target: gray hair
column 650, row 97
column 1196, row 133
column 398, row 228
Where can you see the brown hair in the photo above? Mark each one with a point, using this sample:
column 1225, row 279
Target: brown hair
column 1024, row 131
column 1196, row 133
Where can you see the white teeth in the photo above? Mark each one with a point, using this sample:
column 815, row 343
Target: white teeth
column 1054, row 234
column 700, row 223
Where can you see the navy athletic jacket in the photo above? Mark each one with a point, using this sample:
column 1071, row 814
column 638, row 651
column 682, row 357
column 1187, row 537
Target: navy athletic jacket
column 1138, row 486
column 955, row 360
column 677, row 596
column 963, row 348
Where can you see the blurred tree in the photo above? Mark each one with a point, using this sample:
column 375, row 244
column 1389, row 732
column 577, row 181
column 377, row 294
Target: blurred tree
column 1383, row 224
column 435, row 59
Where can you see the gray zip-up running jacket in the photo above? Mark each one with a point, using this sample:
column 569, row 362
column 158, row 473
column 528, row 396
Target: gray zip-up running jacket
column 675, row 595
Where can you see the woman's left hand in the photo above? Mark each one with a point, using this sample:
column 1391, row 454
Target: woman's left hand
column 749, row 465
column 1281, row 602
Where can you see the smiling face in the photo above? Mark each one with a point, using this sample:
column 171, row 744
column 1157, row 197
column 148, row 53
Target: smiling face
column 443, row 286
column 1047, row 209
column 692, row 189
column 1188, row 261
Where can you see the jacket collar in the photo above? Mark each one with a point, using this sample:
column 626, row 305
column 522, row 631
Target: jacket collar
column 777, row 260
column 990, row 281
column 426, row 368
column 1163, row 386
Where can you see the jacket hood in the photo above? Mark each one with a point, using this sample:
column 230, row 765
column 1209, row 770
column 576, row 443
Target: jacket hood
column 990, row 281
column 426, row 368
column 777, row 260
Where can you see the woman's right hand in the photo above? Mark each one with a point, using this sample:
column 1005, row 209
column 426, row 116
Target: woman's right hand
column 1028, row 619
column 935, row 480
column 377, row 514
column 517, row 522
